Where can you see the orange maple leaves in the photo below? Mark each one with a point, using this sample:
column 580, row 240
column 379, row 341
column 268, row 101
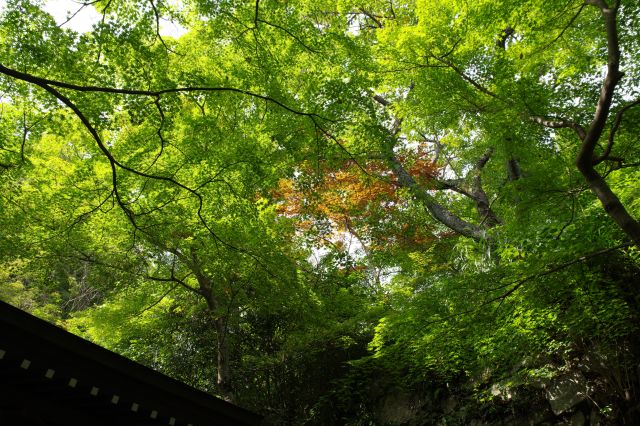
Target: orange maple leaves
column 335, row 192
column 354, row 197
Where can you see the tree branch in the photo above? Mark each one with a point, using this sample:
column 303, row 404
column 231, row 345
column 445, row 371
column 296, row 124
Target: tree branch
column 521, row 282
column 483, row 206
column 176, row 280
column 612, row 133
column 154, row 304
column 256, row 16
column 552, row 269
column 152, row 93
column 586, row 160
column 468, row 79
column 566, row 27
column 559, row 123
column 436, row 210
column 290, row 34
column 372, row 17
column 157, row 16
column 47, row 84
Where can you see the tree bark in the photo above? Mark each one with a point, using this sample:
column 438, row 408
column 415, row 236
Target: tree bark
column 224, row 370
column 483, row 206
column 224, row 377
column 586, row 160
column 437, row 211
column 513, row 169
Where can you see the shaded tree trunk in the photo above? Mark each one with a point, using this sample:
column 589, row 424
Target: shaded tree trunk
column 224, row 369
column 224, row 376
column 586, row 160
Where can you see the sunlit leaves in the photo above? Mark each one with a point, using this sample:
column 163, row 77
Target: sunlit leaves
column 264, row 195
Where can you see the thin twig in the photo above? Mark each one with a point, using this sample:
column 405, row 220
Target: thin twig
column 157, row 16
column 154, row 304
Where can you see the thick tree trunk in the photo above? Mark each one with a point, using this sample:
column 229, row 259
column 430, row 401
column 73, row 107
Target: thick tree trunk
column 224, row 370
column 586, row 160
column 436, row 210
column 205, row 285
column 611, row 203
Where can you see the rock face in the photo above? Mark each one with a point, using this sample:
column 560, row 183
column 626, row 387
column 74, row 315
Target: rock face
column 567, row 391
column 398, row 408
column 568, row 399
column 578, row 419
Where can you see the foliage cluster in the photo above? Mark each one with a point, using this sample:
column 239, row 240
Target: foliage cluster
column 336, row 212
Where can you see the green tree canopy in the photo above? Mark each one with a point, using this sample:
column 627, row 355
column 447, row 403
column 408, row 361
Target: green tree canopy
column 294, row 200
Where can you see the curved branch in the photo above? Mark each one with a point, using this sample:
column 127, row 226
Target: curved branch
column 174, row 279
column 289, row 33
column 552, row 269
column 614, row 128
column 153, row 93
column 468, row 79
column 112, row 161
column 436, row 210
column 559, row 123
column 157, row 302
column 156, row 14
column 566, row 27
column 115, row 164
column 47, row 84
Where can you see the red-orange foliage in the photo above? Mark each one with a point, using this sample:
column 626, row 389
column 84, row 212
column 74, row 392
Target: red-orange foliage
column 345, row 190
column 353, row 200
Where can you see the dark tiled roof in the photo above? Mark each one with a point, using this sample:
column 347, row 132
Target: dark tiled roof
column 51, row 377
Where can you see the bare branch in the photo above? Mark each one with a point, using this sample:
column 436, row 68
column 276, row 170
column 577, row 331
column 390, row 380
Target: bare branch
column 72, row 15
column 465, row 77
column 559, row 123
column 256, row 17
column 566, row 27
column 47, row 84
column 327, row 134
column 371, row 16
column 160, row 299
column 174, row 279
column 151, row 93
column 115, row 164
column 156, row 13
column 552, row 269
